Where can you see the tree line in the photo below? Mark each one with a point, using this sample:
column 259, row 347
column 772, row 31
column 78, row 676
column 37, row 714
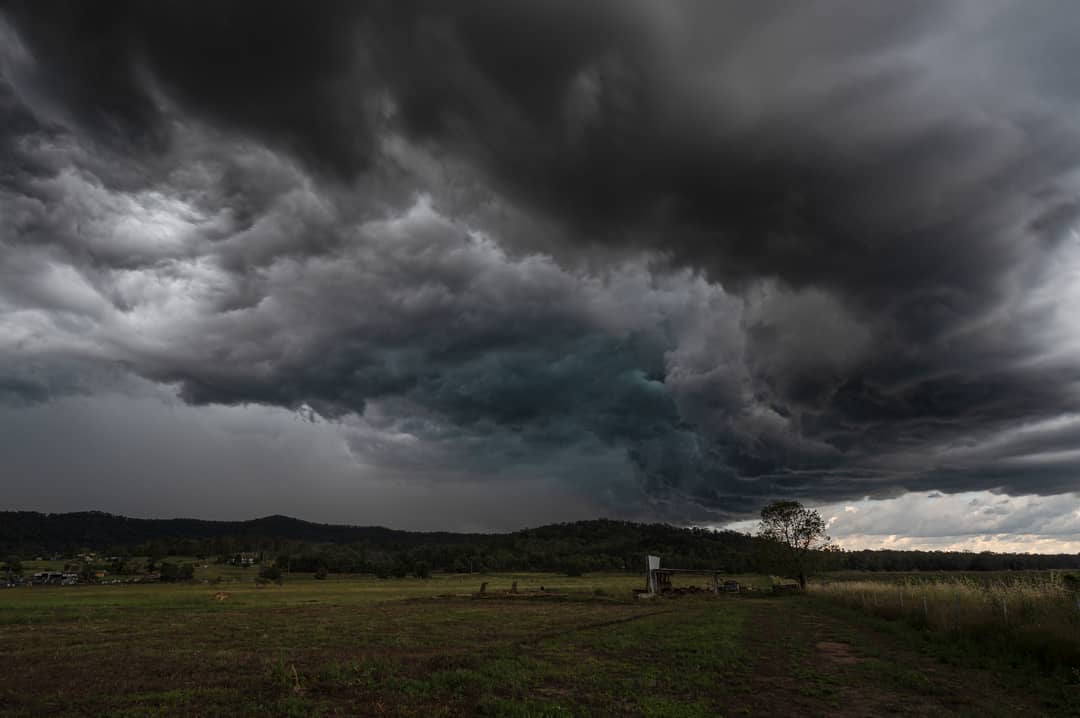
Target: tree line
column 573, row 548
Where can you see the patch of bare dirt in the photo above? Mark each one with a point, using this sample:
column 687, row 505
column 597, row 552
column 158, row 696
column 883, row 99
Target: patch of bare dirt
column 802, row 664
column 837, row 652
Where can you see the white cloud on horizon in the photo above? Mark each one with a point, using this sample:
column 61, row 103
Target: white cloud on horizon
column 966, row 521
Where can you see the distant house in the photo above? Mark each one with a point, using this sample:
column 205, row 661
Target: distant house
column 55, row 578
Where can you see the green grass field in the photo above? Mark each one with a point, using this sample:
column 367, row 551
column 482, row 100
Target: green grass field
column 362, row 646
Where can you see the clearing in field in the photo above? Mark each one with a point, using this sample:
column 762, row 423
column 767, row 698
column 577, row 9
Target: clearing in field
column 403, row 648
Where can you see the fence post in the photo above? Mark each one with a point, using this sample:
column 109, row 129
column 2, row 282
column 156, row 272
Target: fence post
column 901, row 600
column 1005, row 610
column 925, row 610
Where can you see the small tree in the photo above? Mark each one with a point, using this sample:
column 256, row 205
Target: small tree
column 13, row 568
column 796, row 533
column 169, row 572
column 573, row 567
column 87, row 574
column 271, row 573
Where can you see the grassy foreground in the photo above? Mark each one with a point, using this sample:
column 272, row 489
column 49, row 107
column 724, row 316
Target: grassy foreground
column 362, row 646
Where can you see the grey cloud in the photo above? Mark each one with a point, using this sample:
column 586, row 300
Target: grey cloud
column 724, row 253
column 516, row 355
column 962, row 515
column 140, row 453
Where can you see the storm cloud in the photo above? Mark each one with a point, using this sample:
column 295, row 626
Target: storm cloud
column 680, row 258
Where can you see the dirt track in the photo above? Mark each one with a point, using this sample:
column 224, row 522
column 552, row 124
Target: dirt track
column 812, row 664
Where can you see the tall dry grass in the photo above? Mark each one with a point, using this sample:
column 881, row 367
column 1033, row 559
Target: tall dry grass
column 1036, row 615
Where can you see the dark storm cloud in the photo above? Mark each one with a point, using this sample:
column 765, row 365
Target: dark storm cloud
column 754, row 251
column 823, row 144
column 289, row 73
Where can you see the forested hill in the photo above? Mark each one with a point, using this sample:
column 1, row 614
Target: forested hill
column 586, row 545
column 100, row 531
column 582, row 546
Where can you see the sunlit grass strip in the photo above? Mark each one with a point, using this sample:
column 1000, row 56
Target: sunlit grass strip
column 1038, row 614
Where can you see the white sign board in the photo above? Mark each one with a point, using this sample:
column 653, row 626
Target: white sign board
column 654, row 563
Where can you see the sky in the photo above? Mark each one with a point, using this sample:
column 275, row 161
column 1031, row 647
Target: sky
column 480, row 266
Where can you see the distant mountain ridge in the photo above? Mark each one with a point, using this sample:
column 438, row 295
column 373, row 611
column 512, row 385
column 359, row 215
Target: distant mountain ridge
column 98, row 530
column 596, row 544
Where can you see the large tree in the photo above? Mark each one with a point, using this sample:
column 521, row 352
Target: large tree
column 795, row 533
column 12, row 567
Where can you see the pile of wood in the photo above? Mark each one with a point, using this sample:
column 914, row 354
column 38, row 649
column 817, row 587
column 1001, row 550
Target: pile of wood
column 513, row 592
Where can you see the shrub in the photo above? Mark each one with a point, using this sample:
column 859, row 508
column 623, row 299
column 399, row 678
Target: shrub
column 270, row 573
column 573, row 568
column 171, row 572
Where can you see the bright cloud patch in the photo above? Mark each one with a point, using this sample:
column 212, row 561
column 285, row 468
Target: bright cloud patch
column 968, row 521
